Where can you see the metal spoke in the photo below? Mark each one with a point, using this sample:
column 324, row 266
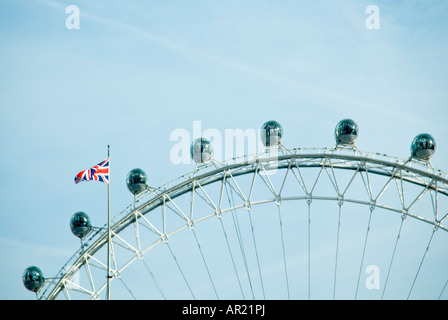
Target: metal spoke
column 256, row 253
column 421, row 263
column 283, row 251
column 231, row 257
column 240, row 240
column 337, row 249
column 309, row 247
column 205, row 263
column 180, row 269
column 153, row 279
column 393, row 255
column 364, row 250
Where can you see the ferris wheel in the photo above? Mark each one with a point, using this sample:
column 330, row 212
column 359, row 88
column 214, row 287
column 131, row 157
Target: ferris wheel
column 300, row 223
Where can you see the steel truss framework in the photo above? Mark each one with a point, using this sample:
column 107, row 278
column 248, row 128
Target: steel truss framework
column 290, row 167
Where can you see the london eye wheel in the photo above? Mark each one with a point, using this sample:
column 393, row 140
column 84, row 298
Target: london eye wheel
column 286, row 223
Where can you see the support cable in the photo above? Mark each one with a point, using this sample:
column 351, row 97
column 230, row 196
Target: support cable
column 309, row 248
column 364, row 249
column 239, row 237
column 337, row 251
column 129, row 290
column 421, row 262
column 392, row 258
column 231, row 257
column 153, row 279
column 256, row 253
column 441, row 293
column 180, row 269
column 283, row 249
column 205, row 264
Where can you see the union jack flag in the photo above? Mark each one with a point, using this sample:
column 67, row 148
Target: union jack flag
column 100, row 172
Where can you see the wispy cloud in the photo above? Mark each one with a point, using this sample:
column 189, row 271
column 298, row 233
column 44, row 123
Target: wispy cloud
column 189, row 51
column 293, row 83
column 15, row 244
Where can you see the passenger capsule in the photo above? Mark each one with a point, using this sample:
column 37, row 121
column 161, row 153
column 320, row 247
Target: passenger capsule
column 423, row 146
column 346, row 132
column 271, row 133
column 201, row 150
column 33, row 278
column 136, row 181
column 80, row 224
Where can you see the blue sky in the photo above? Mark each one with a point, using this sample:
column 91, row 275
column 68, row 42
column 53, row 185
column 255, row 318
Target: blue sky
column 137, row 70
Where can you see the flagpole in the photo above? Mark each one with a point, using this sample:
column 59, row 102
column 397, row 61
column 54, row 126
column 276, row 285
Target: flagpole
column 108, row 229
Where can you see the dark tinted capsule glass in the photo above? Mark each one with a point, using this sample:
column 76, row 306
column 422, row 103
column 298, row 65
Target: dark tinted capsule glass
column 423, row 146
column 271, row 133
column 33, row 278
column 201, row 150
column 80, row 224
column 136, row 181
column 346, row 131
